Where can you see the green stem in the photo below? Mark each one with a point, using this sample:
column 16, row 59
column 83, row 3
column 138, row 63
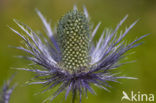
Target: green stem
column 74, row 96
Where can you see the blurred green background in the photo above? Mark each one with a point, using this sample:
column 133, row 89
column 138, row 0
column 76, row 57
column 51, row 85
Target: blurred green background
column 110, row 12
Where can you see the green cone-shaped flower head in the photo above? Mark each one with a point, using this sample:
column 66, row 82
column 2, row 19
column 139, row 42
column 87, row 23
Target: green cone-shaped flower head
column 73, row 32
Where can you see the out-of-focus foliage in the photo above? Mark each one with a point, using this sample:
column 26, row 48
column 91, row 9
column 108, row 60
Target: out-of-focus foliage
column 109, row 12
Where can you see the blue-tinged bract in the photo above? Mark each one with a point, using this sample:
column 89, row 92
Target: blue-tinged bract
column 70, row 59
column 6, row 91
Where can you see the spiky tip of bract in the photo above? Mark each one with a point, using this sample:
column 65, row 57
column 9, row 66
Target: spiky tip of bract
column 73, row 35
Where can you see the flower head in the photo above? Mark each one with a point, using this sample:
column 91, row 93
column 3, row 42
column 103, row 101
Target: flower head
column 70, row 59
column 7, row 91
column 73, row 36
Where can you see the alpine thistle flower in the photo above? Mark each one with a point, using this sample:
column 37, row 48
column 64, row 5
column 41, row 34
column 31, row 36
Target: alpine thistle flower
column 7, row 91
column 70, row 59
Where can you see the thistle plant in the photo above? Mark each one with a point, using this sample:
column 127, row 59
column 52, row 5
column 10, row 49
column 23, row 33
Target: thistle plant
column 69, row 59
column 6, row 92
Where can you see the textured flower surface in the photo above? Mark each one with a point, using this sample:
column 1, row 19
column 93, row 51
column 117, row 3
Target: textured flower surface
column 7, row 91
column 70, row 60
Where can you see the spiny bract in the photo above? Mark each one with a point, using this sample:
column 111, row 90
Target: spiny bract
column 70, row 59
column 7, row 91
